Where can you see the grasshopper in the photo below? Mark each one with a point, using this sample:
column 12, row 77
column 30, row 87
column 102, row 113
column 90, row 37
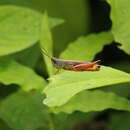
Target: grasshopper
column 73, row 65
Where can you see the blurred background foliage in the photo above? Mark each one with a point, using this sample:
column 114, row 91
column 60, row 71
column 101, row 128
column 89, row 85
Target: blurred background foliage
column 83, row 30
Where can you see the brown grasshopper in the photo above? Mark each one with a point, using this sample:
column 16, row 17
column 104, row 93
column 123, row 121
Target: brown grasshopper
column 73, row 65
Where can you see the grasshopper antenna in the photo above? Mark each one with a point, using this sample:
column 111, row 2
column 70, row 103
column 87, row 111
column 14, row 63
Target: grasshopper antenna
column 45, row 52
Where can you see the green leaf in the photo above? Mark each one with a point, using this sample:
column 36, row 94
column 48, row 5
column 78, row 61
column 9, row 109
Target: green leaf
column 13, row 73
column 85, row 48
column 120, row 121
column 25, row 111
column 88, row 101
column 19, row 28
column 67, row 84
column 46, row 43
column 119, row 89
column 65, row 121
column 120, row 12
column 4, row 126
column 54, row 21
column 28, row 57
column 76, row 14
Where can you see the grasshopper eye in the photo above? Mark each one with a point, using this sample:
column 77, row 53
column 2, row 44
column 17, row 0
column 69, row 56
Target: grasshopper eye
column 97, row 67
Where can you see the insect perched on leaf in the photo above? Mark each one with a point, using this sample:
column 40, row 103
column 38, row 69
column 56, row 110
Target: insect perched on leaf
column 73, row 65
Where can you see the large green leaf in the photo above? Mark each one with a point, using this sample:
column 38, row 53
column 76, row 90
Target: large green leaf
column 13, row 73
column 25, row 111
column 19, row 28
column 96, row 100
column 120, row 15
column 67, row 84
column 85, row 48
